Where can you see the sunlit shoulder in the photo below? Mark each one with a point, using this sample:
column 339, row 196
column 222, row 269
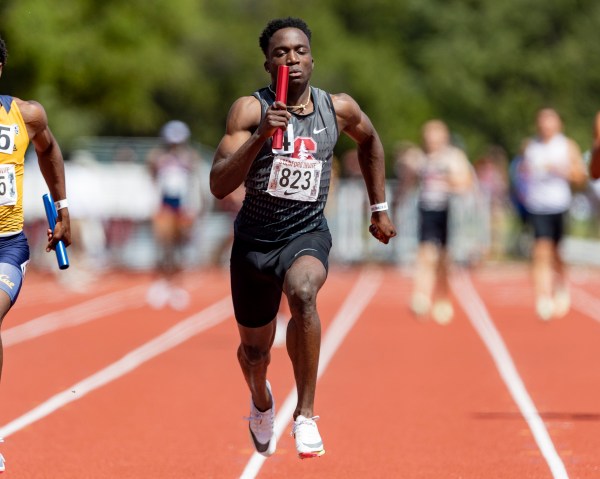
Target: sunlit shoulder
column 245, row 114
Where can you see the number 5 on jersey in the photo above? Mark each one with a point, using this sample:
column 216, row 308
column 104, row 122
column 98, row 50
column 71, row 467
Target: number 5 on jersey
column 7, row 139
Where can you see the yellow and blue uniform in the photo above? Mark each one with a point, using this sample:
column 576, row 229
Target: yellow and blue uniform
column 14, row 141
column 14, row 250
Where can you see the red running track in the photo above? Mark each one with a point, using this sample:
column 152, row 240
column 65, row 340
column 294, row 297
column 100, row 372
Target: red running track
column 97, row 384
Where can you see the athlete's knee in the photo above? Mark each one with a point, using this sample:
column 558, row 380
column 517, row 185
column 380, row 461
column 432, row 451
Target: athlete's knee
column 302, row 283
column 254, row 355
column 302, row 297
column 544, row 249
column 5, row 304
column 429, row 253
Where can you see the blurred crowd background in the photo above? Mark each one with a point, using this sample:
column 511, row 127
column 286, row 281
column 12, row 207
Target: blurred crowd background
column 114, row 199
column 111, row 74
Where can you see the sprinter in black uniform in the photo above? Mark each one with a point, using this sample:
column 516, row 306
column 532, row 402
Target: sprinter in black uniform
column 282, row 240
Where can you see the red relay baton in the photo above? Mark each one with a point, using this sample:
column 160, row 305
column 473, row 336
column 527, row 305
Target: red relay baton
column 283, row 72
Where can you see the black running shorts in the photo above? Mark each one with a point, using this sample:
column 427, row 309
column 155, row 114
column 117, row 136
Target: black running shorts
column 549, row 226
column 258, row 272
column 433, row 226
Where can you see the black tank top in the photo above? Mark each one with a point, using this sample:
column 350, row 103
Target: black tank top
column 266, row 218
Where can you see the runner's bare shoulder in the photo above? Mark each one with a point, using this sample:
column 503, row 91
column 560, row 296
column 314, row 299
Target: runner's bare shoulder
column 33, row 114
column 244, row 114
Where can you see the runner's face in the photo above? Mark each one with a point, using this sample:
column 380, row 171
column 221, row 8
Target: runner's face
column 290, row 46
column 435, row 137
column 548, row 123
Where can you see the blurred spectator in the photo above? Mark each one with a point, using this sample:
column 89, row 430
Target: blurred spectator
column 552, row 164
column 172, row 166
column 443, row 171
column 408, row 159
column 517, row 188
column 492, row 177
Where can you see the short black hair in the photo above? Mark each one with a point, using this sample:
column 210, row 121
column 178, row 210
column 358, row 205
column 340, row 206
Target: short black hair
column 3, row 52
column 278, row 24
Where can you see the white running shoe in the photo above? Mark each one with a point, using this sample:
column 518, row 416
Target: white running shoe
column 544, row 307
column 262, row 427
column 562, row 302
column 420, row 304
column 179, row 298
column 442, row 311
column 158, row 294
column 308, row 440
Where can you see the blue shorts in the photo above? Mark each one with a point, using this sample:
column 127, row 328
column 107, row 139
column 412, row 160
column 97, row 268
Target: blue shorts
column 173, row 202
column 14, row 256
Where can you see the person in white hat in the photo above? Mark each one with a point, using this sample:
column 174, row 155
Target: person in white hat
column 172, row 166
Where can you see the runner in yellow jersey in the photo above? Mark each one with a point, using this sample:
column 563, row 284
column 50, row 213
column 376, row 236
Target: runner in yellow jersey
column 22, row 122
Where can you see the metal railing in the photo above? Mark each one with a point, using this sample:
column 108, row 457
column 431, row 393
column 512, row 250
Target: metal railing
column 112, row 200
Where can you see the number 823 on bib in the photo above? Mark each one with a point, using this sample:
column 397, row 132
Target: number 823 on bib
column 294, row 179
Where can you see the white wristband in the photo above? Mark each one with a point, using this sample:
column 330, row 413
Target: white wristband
column 60, row 204
column 379, row 207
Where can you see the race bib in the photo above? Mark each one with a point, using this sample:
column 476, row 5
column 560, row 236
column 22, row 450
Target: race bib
column 8, row 185
column 7, row 138
column 295, row 179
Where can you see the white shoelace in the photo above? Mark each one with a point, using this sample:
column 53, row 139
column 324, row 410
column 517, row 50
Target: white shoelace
column 262, row 421
column 308, row 421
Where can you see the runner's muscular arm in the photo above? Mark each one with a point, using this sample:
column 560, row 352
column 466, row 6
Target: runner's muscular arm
column 51, row 164
column 357, row 125
column 462, row 176
column 245, row 135
column 577, row 175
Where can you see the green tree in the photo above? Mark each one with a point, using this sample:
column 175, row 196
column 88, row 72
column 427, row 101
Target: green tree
column 124, row 68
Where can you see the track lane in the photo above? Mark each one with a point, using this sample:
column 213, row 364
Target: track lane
column 557, row 362
column 353, row 307
column 43, row 292
column 39, row 368
column 408, row 399
column 427, row 398
column 156, row 404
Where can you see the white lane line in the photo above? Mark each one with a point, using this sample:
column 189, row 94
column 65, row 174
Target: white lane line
column 357, row 300
column 586, row 303
column 467, row 296
column 75, row 315
column 171, row 338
